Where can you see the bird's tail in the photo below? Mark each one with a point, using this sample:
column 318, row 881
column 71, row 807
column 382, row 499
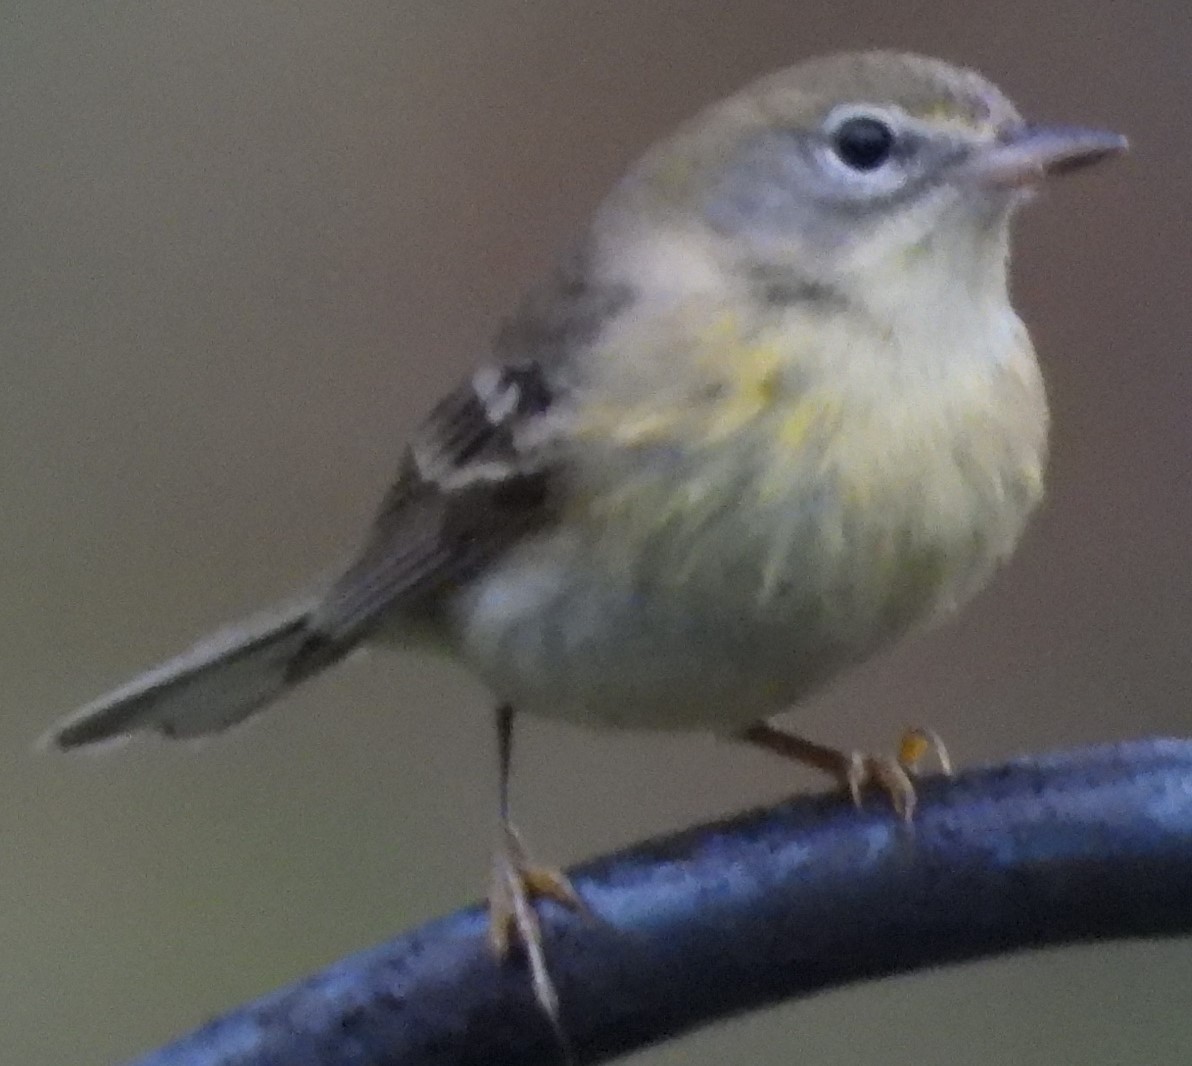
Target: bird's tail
column 218, row 682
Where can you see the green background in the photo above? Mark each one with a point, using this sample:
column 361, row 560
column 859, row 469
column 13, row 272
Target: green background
column 244, row 245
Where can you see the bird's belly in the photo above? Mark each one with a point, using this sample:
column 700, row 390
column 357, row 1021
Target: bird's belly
column 567, row 640
column 559, row 638
column 560, row 629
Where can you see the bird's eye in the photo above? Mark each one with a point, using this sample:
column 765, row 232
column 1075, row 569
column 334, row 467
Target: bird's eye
column 862, row 142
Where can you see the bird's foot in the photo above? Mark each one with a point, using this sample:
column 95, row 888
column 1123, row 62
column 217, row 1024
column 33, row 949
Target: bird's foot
column 516, row 883
column 894, row 774
column 859, row 771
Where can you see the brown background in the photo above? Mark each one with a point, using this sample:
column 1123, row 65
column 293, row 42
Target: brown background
column 244, row 244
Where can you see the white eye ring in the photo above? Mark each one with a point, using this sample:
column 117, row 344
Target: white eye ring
column 860, row 147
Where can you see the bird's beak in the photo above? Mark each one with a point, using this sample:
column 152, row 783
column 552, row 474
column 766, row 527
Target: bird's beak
column 1028, row 155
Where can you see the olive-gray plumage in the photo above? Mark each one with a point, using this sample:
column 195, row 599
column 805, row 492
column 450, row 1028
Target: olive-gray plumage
column 774, row 410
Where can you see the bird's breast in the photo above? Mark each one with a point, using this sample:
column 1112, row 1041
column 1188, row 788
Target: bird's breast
column 881, row 501
column 724, row 555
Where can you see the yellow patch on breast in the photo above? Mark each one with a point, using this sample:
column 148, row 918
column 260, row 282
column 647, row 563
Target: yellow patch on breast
column 809, row 415
column 721, row 385
column 751, row 388
column 754, row 386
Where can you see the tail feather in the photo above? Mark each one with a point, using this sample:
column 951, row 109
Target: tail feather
column 220, row 681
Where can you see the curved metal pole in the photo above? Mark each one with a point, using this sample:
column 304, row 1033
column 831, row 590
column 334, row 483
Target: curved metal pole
column 770, row 905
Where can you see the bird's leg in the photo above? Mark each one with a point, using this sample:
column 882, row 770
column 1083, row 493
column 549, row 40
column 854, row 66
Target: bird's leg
column 857, row 771
column 517, row 881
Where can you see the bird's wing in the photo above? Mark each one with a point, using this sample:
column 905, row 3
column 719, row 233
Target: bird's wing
column 475, row 477
column 481, row 470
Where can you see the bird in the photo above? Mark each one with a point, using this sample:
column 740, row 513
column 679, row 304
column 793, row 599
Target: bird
column 772, row 410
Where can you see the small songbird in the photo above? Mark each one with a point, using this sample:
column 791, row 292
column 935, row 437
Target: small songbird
column 772, row 411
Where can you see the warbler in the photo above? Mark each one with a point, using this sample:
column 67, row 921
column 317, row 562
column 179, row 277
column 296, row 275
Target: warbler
column 772, row 411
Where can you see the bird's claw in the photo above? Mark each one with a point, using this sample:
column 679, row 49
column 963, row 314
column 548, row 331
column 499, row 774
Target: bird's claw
column 516, row 883
column 894, row 774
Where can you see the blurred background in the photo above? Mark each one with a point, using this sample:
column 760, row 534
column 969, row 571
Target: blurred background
column 244, row 244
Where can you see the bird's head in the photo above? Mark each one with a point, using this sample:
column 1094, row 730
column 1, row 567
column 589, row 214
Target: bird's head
column 875, row 172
